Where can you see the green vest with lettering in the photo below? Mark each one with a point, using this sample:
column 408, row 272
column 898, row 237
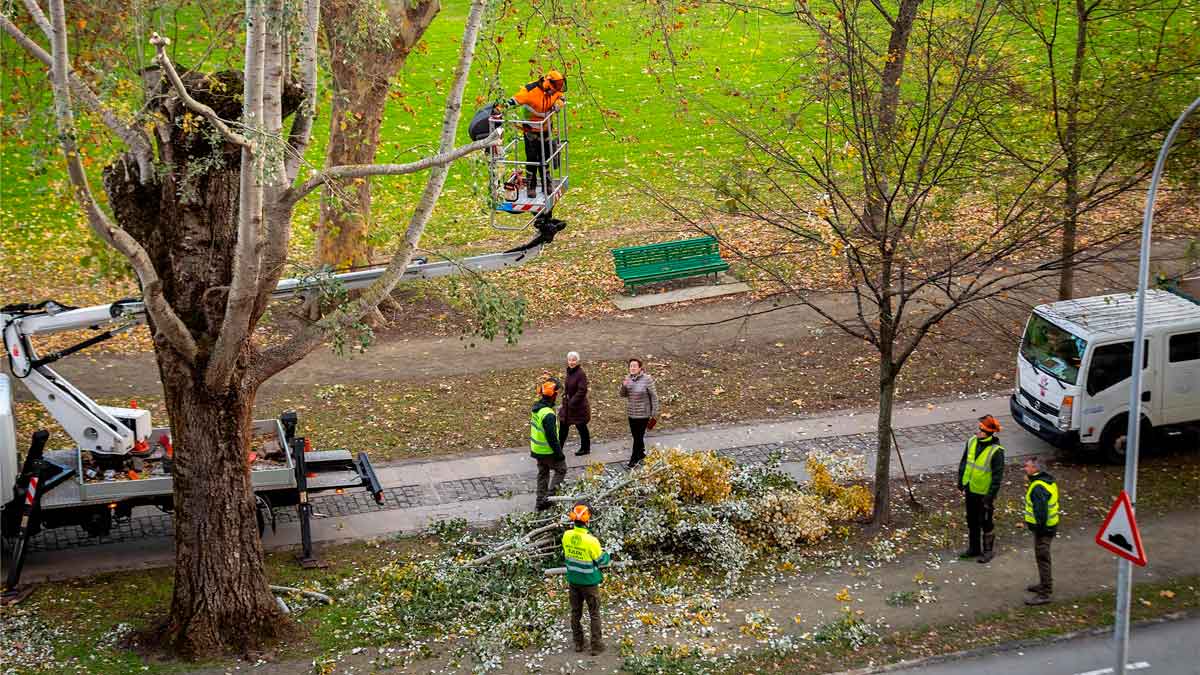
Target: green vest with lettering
column 537, row 433
column 584, row 557
column 977, row 475
column 1051, row 506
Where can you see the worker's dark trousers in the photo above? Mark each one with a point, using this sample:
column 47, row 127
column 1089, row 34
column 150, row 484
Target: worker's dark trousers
column 591, row 595
column 533, row 153
column 1041, row 551
column 980, row 509
column 585, row 437
column 545, row 486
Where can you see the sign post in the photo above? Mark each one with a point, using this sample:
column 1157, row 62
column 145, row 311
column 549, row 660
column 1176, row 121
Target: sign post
column 1124, row 567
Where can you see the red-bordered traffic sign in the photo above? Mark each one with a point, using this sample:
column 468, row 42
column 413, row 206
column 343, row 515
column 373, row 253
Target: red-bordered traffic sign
column 1119, row 533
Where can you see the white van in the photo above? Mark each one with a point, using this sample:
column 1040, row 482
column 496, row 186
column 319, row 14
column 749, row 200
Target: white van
column 1073, row 370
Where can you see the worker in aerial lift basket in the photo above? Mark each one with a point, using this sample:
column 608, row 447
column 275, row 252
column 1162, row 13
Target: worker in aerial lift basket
column 540, row 98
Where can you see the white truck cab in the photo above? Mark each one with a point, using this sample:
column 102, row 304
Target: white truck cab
column 1073, row 370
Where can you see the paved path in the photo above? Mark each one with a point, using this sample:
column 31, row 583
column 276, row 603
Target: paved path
column 482, row 489
column 1159, row 649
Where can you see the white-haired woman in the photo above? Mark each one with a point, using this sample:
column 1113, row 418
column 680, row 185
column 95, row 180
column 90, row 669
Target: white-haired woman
column 576, row 408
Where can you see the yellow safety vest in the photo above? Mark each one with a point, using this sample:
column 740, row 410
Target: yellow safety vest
column 977, row 475
column 537, row 433
column 1051, row 506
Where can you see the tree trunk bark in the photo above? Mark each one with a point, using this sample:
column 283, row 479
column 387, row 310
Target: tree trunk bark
column 1070, row 221
column 362, row 66
column 186, row 218
column 882, row 513
column 221, row 599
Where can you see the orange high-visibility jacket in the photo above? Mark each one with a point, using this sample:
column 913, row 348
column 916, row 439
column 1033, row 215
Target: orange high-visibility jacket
column 538, row 100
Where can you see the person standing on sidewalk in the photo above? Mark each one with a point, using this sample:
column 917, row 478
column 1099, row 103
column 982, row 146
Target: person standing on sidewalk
column 584, row 559
column 576, row 408
column 1041, row 517
column 544, row 445
column 641, row 404
column 980, row 473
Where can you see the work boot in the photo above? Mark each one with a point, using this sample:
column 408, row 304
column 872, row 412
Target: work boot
column 597, row 648
column 967, row 554
column 581, row 452
column 635, row 460
column 1039, row 599
column 989, row 548
column 1036, row 588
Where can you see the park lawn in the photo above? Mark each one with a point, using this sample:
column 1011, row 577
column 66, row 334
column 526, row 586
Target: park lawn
column 628, row 131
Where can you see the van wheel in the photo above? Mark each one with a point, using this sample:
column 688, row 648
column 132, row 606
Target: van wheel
column 1115, row 439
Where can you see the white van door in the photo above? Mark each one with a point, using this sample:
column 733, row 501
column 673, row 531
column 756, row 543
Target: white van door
column 1106, row 386
column 1181, row 386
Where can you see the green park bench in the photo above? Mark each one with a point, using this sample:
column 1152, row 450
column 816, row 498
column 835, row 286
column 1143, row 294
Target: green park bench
column 638, row 265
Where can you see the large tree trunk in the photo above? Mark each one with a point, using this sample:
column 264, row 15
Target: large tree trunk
column 186, row 219
column 362, row 66
column 221, row 599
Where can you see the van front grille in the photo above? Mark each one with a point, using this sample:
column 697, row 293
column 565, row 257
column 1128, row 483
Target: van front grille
column 1035, row 404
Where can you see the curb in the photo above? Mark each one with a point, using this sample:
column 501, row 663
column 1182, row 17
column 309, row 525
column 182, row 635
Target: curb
column 1012, row 646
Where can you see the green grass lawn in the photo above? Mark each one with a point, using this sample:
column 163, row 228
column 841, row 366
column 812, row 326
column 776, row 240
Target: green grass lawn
column 627, row 125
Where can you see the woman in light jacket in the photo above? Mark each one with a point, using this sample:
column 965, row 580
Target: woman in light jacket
column 641, row 405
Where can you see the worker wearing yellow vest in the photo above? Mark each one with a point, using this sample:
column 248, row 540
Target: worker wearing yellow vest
column 539, row 98
column 544, row 445
column 1041, row 517
column 584, row 559
column 980, row 473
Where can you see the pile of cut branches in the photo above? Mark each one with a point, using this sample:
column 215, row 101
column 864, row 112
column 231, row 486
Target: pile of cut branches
column 692, row 505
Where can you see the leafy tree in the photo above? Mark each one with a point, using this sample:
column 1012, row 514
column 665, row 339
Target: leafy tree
column 878, row 150
column 369, row 42
column 201, row 205
column 1108, row 78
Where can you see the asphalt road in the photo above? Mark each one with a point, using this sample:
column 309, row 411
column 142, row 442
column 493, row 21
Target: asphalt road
column 1161, row 649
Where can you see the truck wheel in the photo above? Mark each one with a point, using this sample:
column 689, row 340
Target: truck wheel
column 1115, row 438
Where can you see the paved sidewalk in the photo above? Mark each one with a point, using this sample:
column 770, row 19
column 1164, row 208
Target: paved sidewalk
column 483, row 489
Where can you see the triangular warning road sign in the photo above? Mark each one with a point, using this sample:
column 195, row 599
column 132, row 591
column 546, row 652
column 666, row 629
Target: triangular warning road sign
column 1119, row 533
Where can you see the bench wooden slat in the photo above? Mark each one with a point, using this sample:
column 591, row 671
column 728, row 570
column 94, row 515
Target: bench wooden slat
column 668, row 260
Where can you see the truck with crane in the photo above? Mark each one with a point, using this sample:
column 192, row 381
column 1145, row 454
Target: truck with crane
column 121, row 461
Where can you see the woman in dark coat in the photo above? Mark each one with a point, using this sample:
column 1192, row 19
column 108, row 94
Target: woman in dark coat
column 576, row 408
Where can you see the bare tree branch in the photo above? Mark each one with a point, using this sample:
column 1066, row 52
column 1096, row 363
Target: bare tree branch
column 277, row 358
column 243, row 288
column 364, row 170
column 165, row 322
column 160, row 45
column 302, row 123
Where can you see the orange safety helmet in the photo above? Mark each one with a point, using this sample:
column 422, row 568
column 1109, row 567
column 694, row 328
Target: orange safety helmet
column 555, row 79
column 989, row 424
column 581, row 514
column 549, row 389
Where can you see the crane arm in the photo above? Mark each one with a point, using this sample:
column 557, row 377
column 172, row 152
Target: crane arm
column 111, row 430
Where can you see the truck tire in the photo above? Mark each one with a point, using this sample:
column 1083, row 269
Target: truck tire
column 1113, row 441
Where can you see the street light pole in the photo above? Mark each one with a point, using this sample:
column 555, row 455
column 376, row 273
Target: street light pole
column 1124, row 567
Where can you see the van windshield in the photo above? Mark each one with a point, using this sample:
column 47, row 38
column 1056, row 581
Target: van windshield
column 1052, row 350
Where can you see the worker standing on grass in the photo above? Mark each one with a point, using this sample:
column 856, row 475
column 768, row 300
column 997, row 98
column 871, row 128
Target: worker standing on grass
column 1041, row 517
column 539, row 98
column 584, row 559
column 544, row 444
column 980, row 473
